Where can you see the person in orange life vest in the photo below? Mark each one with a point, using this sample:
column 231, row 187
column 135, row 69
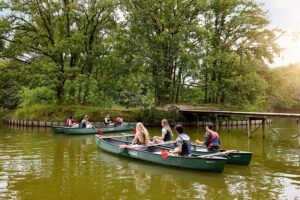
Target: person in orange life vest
column 70, row 121
column 119, row 120
column 211, row 139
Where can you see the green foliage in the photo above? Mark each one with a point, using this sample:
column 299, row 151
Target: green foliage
column 192, row 95
column 39, row 95
column 284, row 92
column 140, row 53
column 62, row 112
column 154, row 115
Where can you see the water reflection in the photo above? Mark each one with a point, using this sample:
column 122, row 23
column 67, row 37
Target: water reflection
column 36, row 164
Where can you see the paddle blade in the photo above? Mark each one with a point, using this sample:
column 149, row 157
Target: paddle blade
column 100, row 132
column 164, row 154
column 134, row 130
column 123, row 147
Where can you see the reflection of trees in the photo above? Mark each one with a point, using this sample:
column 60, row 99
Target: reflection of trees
column 161, row 182
column 48, row 166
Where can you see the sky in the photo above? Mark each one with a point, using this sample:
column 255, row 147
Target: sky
column 285, row 14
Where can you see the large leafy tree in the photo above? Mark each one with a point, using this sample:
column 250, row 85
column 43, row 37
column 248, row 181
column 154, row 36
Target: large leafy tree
column 62, row 38
column 164, row 33
column 239, row 33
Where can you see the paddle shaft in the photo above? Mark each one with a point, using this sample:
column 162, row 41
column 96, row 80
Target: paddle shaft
column 216, row 154
column 115, row 136
column 152, row 145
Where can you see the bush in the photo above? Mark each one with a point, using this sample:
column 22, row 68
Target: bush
column 39, row 95
column 154, row 115
column 61, row 112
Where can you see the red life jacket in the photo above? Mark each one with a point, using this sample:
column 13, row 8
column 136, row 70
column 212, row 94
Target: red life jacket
column 214, row 140
column 69, row 122
column 118, row 120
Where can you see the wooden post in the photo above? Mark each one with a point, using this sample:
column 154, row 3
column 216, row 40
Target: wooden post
column 249, row 127
column 299, row 140
column 263, row 121
column 217, row 123
column 197, row 121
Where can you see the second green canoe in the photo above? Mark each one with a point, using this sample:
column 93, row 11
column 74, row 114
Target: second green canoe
column 111, row 129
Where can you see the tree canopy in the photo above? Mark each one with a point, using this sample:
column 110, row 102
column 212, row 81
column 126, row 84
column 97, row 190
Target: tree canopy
column 135, row 53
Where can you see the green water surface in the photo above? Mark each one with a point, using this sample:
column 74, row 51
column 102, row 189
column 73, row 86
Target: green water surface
column 37, row 164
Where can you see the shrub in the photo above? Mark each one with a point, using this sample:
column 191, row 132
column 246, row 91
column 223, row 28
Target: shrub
column 39, row 95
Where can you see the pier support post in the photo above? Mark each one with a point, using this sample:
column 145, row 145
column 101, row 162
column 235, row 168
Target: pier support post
column 217, row 123
column 249, row 126
column 299, row 140
column 263, row 121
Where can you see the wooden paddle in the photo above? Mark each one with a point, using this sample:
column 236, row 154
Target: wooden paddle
column 217, row 153
column 116, row 136
column 138, row 146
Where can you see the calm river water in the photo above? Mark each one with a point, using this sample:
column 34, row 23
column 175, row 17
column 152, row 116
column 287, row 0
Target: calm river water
column 36, row 164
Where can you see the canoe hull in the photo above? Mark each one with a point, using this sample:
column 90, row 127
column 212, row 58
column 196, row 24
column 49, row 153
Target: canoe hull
column 57, row 129
column 128, row 127
column 207, row 164
column 87, row 131
column 236, row 158
column 80, row 131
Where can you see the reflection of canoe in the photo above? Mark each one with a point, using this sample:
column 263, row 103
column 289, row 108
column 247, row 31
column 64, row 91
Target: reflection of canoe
column 57, row 129
column 153, row 154
column 235, row 157
column 85, row 131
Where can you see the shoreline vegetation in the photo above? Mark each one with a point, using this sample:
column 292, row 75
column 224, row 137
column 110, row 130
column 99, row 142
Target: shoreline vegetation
column 150, row 115
column 134, row 58
column 55, row 115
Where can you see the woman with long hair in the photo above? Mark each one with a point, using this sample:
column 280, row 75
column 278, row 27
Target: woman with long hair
column 166, row 133
column 141, row 135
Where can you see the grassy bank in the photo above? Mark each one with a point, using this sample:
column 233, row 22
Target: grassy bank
column 61, row 113
column 147, row 115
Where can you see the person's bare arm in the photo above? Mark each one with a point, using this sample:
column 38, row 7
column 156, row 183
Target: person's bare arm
column 134, row 141
column 177, row 150
column 199, row 142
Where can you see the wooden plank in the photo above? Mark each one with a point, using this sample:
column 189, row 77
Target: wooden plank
column 249, row 114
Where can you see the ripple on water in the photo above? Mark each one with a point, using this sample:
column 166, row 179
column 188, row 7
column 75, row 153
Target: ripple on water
column 39, row 165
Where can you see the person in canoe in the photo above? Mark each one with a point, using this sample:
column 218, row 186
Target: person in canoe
column 141, row 136
column 211, row 139
column 119, row 120
column 85, row 122
column 183, row 143
column 166, row 133
column 70, row 122
column 107, row 120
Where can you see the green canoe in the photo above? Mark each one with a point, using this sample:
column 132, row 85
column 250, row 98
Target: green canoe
column 233, row 157
column 109, row 129
column 57, row 129
column 153, row 154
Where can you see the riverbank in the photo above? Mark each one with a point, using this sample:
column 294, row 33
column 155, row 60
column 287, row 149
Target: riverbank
column 59, row 113
column 56, row 115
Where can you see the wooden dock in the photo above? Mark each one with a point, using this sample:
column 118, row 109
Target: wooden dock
column 263, row 116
